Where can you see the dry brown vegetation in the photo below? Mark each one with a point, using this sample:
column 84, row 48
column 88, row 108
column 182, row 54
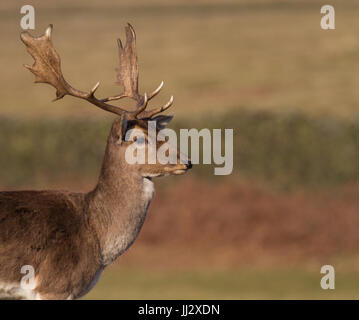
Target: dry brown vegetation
column 196, row 223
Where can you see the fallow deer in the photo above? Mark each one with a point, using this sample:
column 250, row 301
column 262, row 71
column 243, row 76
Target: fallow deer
column 69, row 238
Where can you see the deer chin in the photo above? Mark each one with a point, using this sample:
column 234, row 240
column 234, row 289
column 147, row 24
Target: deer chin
column 149, row 176
column 177, row 170
column 168, row 171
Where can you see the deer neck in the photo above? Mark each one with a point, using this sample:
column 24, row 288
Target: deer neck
column 118, row 206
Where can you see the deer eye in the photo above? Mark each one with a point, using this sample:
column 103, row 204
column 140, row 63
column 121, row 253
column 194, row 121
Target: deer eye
column 139, row 140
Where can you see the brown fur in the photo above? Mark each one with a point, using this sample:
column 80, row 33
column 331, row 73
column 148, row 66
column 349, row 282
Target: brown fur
column 66, row 237
column 50, row 231
column 69, row 238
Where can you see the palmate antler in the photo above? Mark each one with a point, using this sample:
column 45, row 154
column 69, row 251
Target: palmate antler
column 47, row 69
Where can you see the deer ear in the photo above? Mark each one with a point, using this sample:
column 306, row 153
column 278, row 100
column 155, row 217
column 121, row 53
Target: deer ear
column 162, row 121
column 120, row 128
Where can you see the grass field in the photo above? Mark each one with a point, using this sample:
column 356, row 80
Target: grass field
column 120, row 283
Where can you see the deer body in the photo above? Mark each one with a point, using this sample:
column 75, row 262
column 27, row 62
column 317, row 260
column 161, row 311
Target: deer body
column 49, row 231
column 69, row 238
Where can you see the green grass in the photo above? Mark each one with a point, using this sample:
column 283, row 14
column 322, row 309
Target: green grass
column 122, row 283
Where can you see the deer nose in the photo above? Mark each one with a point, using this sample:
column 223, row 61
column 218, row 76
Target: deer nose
column 189, row 165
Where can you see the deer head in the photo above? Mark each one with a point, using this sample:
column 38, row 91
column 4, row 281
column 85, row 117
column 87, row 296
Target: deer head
column 47, row 69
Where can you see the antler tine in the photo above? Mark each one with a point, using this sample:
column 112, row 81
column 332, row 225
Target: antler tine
column 95, row 87
column 120, row 96
column 151, row 113
column 156, row 92
column 142, row 107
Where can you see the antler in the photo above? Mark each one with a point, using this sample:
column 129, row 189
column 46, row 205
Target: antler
column 47, row 69
column 127, row 76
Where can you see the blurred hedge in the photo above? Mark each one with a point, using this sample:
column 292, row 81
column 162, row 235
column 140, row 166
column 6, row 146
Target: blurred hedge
column 286, row 150
column 294, row 150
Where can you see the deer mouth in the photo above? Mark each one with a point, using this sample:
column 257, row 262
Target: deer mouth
column 179, row 171
column 174, row 170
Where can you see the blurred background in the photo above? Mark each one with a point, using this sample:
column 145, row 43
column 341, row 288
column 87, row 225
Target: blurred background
column 262, row 67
